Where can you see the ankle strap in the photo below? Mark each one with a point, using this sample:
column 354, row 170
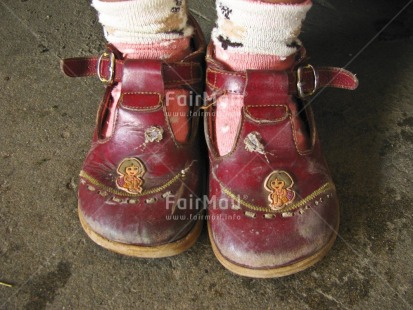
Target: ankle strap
column 303, row 82
column 110, row 70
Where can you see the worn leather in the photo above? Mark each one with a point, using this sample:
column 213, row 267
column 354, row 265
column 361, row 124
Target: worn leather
column 173, row 73
column 285, row 81
column 246, row 231
column 171, row 167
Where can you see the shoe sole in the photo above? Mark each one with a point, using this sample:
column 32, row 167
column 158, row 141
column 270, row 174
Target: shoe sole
column 274, row 272
column 158, row 251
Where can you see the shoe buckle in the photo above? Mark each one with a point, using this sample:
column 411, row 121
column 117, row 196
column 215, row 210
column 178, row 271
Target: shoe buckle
column 301, row 92
column 111, row 57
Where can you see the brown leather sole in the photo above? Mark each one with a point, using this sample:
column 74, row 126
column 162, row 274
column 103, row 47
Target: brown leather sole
column 275, row 272
column 165, row 250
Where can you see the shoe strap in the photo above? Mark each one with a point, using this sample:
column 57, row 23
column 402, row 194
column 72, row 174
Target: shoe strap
column 303, row 82
column 111, row 70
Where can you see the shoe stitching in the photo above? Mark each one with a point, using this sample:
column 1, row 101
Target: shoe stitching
column 324, row 188
column 153, row 107
column 329, row 186
column 266, row 121
column 145, row 192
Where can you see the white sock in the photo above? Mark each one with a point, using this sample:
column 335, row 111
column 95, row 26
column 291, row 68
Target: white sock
column 143, row 21
column 255, row 27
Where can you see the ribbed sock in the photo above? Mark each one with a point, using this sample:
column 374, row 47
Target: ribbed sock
column 146, row 29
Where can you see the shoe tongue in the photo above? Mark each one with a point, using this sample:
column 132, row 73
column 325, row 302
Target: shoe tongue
column 143, row 77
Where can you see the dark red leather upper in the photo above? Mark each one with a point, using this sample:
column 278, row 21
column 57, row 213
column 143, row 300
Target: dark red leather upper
column 171, row 166
column 246, row 230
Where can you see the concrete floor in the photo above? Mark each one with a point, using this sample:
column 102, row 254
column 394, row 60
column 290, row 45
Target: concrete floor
column 46, row 123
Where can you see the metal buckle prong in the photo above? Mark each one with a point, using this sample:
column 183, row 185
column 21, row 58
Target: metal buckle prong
column 111, row 58
column 300, row 89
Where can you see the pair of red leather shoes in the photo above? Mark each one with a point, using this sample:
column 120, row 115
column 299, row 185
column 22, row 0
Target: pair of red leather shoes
column 272, row 208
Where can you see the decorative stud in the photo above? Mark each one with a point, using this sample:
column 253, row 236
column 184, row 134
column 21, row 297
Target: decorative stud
column 167, row 194
column 287, row 214
column 151, row 200
column 269, row 216
column 250, row 214
column 235, row 207
column 116, row 199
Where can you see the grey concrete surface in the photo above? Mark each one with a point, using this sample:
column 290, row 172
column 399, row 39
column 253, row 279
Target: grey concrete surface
column 46, row 123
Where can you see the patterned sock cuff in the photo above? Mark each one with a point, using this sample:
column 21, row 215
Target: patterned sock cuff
column 143, row 21
column 256, row 27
